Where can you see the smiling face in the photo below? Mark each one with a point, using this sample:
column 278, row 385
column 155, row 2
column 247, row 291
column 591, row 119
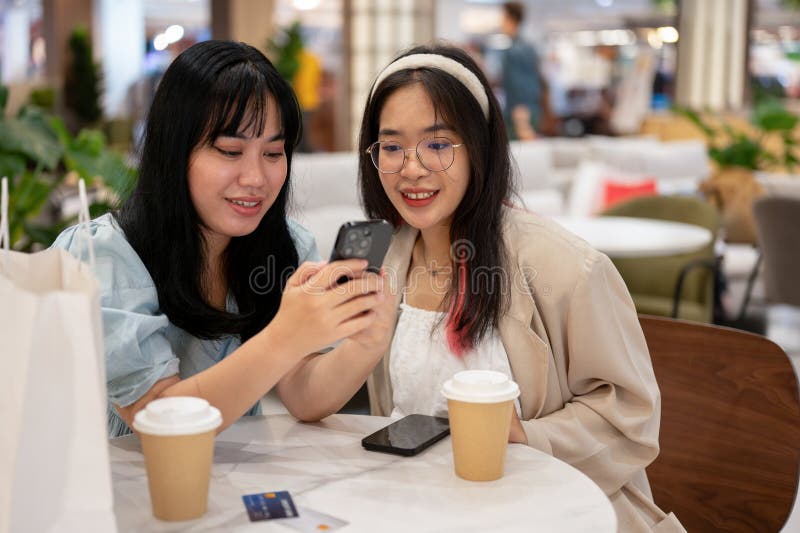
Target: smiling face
column 424, row 199
column 234, row 180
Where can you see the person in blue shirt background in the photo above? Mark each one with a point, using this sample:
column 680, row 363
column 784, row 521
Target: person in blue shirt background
column 521, row 78
column 207, row 288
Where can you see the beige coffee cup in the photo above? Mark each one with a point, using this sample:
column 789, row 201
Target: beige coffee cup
column 177, row 436
column 479, row 403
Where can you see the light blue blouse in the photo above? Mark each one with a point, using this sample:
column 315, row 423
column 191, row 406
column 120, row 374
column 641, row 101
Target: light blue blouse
column 141, row 345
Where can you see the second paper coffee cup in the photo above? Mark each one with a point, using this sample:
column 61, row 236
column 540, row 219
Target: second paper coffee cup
column 479, row 403
column 177, row 435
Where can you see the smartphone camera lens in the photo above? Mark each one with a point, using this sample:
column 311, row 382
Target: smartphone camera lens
column 348, row 251
column 367, row 232
column 352, row 236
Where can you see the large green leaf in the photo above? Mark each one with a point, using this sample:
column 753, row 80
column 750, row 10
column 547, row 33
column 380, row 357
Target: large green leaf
column 87, row 155
column 81, row 162
column 116, row 175
column 770, row 115
column 11, row 165
column 58, row 127
column 695, row 118
column 28, row 194
column 100, row 208
column 31, row 138
column 90, row 142
column 743, row 152
column 3, row 99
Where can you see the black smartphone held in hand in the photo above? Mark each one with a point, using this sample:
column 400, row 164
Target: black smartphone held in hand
column 408, row 436
column 367, row 239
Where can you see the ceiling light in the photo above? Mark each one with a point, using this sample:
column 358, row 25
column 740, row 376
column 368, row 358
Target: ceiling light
column 668, row 34
column 174, row 33
column 654, row 40
column 305, row 5
column 160, row 42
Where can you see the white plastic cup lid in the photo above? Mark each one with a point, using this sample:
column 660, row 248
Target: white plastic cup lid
column 177, row 415
column 480, row 386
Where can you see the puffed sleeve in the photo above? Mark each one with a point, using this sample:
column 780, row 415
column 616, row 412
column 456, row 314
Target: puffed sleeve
column 137, row 352
column 304, row 241
column 609, row 429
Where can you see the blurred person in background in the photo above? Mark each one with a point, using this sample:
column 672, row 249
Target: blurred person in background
column 306, row 84
column 522, row 80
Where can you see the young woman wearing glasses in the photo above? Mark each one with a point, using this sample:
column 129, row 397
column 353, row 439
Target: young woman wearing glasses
column 484, row 285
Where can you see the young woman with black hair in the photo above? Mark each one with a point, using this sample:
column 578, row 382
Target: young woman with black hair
column 207, row 288
column 482, row 285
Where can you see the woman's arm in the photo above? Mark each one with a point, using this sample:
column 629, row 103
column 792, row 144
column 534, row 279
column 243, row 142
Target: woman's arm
column 234, row 384
column 321, row 384
column 314, row 312
column 609, row 429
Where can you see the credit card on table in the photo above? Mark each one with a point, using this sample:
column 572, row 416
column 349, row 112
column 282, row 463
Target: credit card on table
column 269, row 505
column 311, row 521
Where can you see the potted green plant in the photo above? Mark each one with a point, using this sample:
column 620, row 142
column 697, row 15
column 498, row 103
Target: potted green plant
column 40, row 157
column 778, row 174
column 748, row 162
column 82, row 82
column 285, row 49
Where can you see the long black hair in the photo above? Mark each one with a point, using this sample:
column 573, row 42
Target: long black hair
column 213, row 88
column 476, row 297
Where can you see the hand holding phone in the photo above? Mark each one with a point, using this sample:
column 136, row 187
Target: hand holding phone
column 408, row 436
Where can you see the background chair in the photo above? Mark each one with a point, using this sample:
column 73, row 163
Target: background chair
column 777, row 222
column 730, row 427
column 682, row 285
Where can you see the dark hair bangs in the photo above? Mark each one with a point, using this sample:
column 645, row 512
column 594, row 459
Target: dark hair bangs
column 238, row 103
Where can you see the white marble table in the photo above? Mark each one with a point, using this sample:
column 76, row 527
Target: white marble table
column 637, row 237
column 325, row 468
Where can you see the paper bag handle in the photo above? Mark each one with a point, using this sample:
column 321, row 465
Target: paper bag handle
column 83, row 232
column 84, row 237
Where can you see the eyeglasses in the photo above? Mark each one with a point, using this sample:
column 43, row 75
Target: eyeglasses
column 435, row 154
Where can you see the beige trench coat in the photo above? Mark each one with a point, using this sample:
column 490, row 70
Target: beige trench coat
column 587, row 389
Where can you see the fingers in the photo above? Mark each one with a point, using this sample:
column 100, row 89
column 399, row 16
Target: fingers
column 356, row 324
column 304, row 272
column 328, row 276
column 358, row 306
column 369, row 283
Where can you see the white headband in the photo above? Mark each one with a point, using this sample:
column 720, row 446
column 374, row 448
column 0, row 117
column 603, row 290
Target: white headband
column 445, row 64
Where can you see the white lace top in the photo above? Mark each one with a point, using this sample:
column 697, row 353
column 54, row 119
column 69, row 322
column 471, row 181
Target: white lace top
column 420, row 363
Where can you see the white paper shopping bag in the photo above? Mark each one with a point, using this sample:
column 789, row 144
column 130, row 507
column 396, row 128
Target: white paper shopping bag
column 54, row 465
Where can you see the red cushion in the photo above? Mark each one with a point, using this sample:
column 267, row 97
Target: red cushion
column 615, row 192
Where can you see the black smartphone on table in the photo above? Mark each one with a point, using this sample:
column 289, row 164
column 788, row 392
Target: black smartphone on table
column 409, row 435
column 366, row 239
